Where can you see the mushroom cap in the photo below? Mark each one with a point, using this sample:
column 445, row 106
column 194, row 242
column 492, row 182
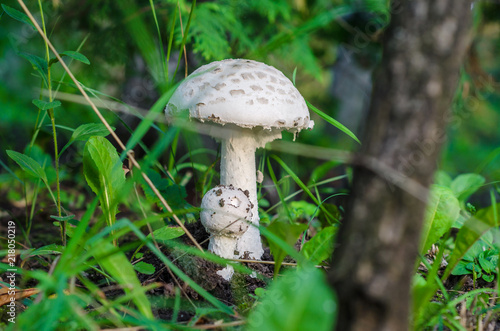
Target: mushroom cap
column 242, row 92
column 226, row 211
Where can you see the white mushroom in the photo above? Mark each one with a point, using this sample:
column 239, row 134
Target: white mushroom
column 225, row 213
column 255, row 103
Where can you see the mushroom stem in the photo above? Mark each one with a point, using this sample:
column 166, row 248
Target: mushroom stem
column 224, row 247
column 238, row 169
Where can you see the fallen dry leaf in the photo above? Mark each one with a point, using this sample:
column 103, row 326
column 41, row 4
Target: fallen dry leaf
column 19, row 294
column 6, row 258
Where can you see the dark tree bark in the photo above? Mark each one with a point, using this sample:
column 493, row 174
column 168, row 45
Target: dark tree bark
column 378, row 243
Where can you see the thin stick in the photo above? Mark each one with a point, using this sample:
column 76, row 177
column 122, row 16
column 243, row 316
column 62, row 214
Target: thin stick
column 106, row 124
column 218, row 326
column 272, row 262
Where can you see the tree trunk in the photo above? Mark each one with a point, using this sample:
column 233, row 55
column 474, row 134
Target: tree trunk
column 378, row 243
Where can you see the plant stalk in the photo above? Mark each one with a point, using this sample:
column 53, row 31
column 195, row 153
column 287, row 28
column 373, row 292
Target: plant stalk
column 54, row 132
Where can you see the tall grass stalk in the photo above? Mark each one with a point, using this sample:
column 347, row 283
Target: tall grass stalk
column 54, row 131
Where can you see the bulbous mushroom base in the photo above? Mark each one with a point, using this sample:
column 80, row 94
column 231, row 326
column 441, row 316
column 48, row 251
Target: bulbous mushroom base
column 249, row 244
column 224, row 247
column 226, row 214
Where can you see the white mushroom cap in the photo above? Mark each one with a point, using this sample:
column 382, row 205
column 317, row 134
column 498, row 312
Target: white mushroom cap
column 242, row 92
column 226, row 211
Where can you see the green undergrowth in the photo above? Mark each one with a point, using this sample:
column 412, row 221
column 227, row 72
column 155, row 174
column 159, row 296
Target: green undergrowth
column 107, row 231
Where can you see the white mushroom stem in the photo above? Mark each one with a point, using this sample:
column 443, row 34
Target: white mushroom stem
column 224, row 247
column 238, row 169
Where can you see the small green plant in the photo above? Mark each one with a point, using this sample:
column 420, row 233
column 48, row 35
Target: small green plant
column 481, row 260
column 447, row 208
column 104, row 174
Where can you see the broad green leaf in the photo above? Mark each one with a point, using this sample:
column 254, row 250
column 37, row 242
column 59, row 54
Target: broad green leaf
column 477, row 249
column 74, row 55
column 442, row 178
column 17, row 15
column 144, row 268
column 464, row 185
column 320, row 247
column 470, row 232
column 117, row 265
column 333, row 122
column 461, row 269
column 85, row 131
column 38, row 64
column 44, row 105
column 167, row 233
column 287, row 232
column 442, row 210
column 300, row 300
column 486, row 264
column 29, row 165
column 104, row 174
column 488, row 278
column 77, row 56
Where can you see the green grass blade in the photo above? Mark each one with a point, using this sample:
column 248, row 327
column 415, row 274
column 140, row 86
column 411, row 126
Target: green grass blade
column 278, row 189
column 184, row 38
column 171, row 37
column 302, row 185
column 139, row 33
column 162, row 54
column 117, row 265
column 333, row 122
